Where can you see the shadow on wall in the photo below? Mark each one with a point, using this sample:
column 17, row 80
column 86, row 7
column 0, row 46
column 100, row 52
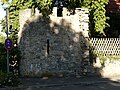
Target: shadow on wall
column 52, row 46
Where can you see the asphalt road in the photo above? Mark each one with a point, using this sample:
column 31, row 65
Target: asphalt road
column 99, row 86
column 68, row 84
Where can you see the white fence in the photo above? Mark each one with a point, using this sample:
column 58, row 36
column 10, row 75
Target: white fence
column 105, row 46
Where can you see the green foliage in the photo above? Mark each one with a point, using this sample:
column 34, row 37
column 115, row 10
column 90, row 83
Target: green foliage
column 46, row 6
column 96, row 8
column 17, row 5
column 2, row 58
column 2, row 53
column 4, row 1
column 2, row 38
column 8, row 79
column 97, row 16
column 3, row 24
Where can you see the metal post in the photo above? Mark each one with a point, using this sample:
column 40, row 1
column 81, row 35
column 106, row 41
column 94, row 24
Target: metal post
column 7, row 38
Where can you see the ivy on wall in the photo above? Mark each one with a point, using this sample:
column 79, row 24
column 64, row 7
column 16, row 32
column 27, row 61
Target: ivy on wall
column 97, row 17
column 96, row 8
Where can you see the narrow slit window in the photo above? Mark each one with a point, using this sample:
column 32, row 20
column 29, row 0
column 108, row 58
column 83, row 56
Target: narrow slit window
column 48, row 46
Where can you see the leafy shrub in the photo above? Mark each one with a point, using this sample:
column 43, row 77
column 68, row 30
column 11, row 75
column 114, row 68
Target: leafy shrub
column 2, row 58
column 8, row 79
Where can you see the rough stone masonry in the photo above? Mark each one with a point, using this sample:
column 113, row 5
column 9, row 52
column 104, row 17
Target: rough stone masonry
column 56, row 45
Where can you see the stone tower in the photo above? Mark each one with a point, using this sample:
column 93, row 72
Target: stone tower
column 53, row 44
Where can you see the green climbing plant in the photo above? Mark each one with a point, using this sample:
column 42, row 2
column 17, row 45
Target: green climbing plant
column 96, row 8
column 97, row 16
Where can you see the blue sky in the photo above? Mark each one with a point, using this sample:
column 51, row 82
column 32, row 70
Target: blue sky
column 2, row 14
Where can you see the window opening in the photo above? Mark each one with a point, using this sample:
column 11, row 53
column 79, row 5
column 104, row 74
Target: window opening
column 48, row 46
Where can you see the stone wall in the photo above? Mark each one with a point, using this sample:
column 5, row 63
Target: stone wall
column 54, row 44
column 24, row 16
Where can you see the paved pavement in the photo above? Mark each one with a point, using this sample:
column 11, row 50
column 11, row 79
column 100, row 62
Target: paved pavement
column 68, row 83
